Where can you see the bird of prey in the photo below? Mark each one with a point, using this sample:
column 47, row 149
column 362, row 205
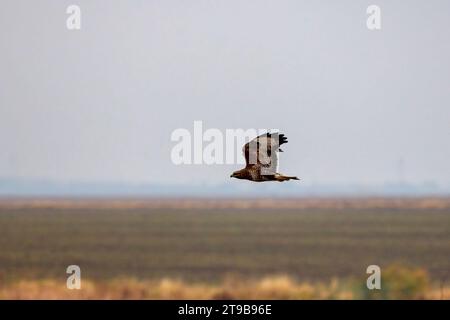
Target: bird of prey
column 261, row 159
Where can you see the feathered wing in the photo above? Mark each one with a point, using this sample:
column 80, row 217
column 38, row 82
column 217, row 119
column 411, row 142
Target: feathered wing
column 261, row 153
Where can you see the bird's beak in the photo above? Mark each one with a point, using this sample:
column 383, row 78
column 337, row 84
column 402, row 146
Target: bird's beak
column 231, row 176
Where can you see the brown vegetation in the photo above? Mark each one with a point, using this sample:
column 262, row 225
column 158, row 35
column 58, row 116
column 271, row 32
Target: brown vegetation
column 398, row 283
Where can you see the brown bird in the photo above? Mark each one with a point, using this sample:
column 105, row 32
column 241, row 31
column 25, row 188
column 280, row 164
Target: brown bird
column 261, row 158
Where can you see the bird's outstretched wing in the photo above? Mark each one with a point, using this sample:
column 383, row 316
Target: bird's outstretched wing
column 261, row 152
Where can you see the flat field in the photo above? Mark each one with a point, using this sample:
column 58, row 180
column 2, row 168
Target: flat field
column 195, row 241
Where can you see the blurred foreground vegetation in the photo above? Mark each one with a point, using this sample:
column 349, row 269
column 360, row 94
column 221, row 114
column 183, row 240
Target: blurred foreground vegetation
column 398, row 282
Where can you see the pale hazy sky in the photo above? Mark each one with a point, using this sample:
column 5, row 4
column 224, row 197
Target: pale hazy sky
column 100, row 104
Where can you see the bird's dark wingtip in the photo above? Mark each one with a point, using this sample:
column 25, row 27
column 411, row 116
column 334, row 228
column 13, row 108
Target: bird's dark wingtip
column 282, row 139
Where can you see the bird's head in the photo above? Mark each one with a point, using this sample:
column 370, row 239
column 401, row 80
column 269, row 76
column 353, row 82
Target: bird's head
column 238, row 175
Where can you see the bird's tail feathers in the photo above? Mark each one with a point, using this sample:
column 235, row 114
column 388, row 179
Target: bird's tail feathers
column 281, row 178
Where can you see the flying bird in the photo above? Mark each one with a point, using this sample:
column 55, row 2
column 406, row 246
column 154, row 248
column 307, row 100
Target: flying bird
column 261, row 159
